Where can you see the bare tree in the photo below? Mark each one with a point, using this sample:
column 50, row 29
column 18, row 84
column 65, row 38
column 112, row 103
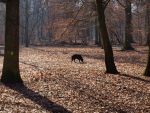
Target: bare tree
column 109, row 58
column 11, row 73
column 128, row 26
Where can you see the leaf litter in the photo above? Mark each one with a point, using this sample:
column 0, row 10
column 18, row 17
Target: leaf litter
column 62, row 86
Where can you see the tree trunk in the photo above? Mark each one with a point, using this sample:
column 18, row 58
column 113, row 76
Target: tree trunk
column 10, row 72
column 97, row 34
column 147, row 70
column 146, row 25
column 26, row 24
column 109, row 59
column 97, row 41
column 128, row 27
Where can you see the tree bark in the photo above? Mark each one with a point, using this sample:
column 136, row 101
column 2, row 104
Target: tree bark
column 27, row 24
column 97, row 34
column 147, row 21
column 10, row 72
column 109, row 59
column 147, row 70
column 128, row 27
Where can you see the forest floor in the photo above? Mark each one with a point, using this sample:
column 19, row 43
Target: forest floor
column 54, row 84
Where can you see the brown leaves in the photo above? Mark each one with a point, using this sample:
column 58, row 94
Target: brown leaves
column 80, row 88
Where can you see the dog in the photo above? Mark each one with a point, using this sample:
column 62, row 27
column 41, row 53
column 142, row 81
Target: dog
column 77, row 56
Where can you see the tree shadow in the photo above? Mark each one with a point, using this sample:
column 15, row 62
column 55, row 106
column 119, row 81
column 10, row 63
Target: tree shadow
column 38, row 99
column 29, row 64
column 91, row 95
column 120, row 59
column 136, row 78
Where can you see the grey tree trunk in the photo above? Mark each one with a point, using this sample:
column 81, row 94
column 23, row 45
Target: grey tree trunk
column 128, row 27
column 147, row 21
column 26, row 24
column 97, row 34
column 10, row 72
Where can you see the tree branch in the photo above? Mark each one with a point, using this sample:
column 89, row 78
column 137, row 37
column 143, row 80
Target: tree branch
column 121, row 4
column 106, row 3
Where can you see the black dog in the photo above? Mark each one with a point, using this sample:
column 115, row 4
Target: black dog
column 77, row 56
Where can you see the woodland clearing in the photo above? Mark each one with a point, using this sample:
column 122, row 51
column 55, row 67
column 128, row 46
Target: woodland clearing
column 55, row 84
